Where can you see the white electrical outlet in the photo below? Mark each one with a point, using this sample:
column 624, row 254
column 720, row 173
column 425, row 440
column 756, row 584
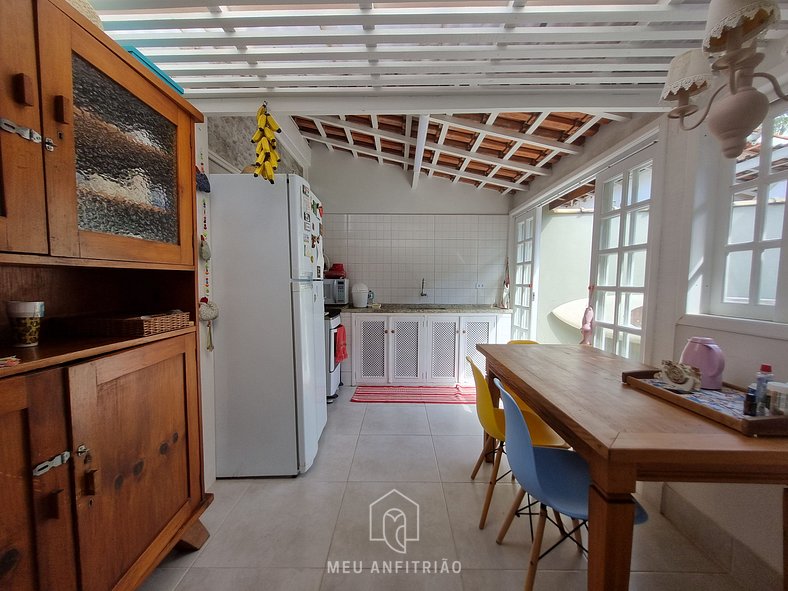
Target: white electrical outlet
column 480, row 286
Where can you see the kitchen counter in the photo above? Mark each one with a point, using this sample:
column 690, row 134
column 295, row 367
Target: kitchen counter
column 427, row 309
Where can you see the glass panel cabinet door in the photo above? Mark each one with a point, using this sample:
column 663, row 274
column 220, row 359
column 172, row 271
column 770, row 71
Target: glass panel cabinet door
column 126, row 185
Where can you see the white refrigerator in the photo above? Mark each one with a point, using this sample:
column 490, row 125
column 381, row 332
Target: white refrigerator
column 267, row 271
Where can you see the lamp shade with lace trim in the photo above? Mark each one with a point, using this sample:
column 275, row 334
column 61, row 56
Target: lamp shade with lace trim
column 732, row 22
column 689, row 73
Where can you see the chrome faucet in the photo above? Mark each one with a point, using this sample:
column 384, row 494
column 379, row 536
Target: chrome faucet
column 423, row 293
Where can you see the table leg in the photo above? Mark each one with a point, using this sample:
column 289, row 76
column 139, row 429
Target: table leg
column 610, row 522
column 785, row 539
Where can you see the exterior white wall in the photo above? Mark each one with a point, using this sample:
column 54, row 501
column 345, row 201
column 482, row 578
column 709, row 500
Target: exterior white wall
column 359, row 185
column 564, row 262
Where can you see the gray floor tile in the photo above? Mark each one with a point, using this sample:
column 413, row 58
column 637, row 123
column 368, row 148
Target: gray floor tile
column 457, row 455
column 345, row 417
column 352, row 538
column 395, row 419
column 277, row 523
column 252, row 579
column 501, row 579
column 391, row 582
column 453, row 419
column 163, row 579
column 681, row 582
column 388, row 458
column 334, row 458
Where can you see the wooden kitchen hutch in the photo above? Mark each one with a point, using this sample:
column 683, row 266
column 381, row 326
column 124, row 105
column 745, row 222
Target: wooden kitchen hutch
column 97, row 219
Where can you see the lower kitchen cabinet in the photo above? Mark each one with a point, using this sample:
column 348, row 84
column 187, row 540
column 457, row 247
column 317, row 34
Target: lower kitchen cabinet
column 420, row 349
column 132, row 487
column 36, row 527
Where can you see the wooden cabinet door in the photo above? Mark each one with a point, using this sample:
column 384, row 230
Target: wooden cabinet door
column 23, row 217
column 442, row 349
column 129, row 144
column 36, row 527
column 134, row 416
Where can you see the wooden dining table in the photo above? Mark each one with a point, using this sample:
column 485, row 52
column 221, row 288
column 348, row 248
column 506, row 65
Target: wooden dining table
column 627, row 435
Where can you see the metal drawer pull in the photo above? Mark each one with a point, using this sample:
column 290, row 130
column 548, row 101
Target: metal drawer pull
column 58, row 460
column 23, row 132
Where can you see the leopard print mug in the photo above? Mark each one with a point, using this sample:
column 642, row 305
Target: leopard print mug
column 25, row 321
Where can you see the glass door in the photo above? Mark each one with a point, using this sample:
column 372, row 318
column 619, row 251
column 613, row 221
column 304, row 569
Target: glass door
column 526, row 268
column 619, row 260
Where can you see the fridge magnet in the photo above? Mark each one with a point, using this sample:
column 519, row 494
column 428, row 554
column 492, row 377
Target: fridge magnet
column 307, row 226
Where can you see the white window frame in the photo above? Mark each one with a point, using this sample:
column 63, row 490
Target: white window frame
column 751, row 310
column 622, row 169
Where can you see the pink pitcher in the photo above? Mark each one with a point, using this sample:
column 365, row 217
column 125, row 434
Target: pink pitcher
column 703, row 353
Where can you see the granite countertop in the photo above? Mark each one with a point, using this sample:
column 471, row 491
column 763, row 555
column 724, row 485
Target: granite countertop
column 427, row 309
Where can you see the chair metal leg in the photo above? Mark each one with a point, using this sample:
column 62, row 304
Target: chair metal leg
column 577, row 535
column 480, row 461
column 491, row 486
column 536, row 549
column 510, row 516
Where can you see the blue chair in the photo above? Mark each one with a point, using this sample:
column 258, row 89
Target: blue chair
column 557, row 478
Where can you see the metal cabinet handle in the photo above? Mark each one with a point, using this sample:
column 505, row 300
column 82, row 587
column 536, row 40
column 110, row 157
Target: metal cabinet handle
column 392, row 331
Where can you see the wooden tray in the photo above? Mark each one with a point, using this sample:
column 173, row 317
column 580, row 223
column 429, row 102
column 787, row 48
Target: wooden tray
column 724, row 406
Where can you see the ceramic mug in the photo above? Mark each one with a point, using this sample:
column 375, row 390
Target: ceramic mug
column 25, row 321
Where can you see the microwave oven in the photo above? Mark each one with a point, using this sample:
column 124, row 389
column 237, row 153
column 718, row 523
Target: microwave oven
column 335, row 291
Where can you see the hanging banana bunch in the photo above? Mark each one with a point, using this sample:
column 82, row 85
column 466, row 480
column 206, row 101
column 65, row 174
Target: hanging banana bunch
column 264, row 137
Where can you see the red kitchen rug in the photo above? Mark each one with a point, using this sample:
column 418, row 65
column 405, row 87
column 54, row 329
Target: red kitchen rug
column 416, row 394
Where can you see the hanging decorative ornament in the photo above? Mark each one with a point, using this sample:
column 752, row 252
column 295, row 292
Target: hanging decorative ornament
column 587, row 323
column 264, row 137
column 208, row 311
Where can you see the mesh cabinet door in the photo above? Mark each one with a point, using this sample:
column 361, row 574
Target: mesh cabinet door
column 443, row 349
column 372, row 365
column 474, row 331
column 407, row 364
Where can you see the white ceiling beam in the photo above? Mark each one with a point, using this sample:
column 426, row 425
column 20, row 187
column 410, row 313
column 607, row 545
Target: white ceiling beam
column 421, row 142
column 431, row 80
column 408, row 102
column 433, row 15
column 417, row 52
column 322, row 132
column 374, row 120
column 401, row 67
column 423, row 35
column 583, row 128
column 408, row 126
column 511, row 135
column 436, row 151
column 349, row 138
column 410, row 162
column 459, row 152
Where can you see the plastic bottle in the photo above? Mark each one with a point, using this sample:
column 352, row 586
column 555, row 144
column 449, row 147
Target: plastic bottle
column 763, row 376
column 751, row 402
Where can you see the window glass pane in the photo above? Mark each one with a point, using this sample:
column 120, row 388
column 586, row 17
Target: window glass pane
column 630, row 312
column 518, row 316
column 527, row 274
column 736, row 287
column 606, row 273
column 750, row 159
column 603, row 339
column 526, row 297
column 608, row 237
column 633, row 269
column 767, row 290
column 518, row 277
column 605, row 306
column 528, row 251
column 529, row 228
column 518, row 296
column 521, row 253
column 742, row 226
column 780, row 144
column 775, row 210
column 636, row 231
column 640, row 184
column 611, row 195
column 520, row 231
column 628, row 345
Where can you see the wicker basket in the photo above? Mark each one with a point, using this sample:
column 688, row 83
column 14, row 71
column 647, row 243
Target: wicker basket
column 128, row 326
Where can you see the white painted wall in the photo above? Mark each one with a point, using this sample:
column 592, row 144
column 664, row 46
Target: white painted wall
column 359, row 185
column 206, row 357
column 565, row 260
